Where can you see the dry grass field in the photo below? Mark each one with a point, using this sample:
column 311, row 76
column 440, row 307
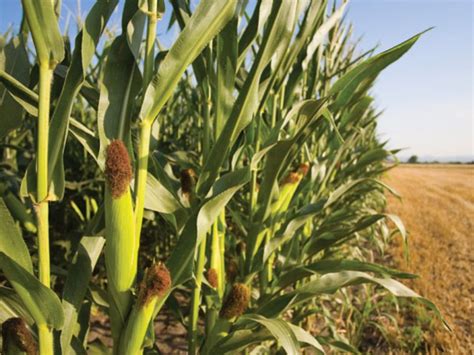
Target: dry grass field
column 437, row 208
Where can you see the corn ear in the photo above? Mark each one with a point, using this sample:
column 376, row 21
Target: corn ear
column 236, row 302
column 16, row 338
column 288, row 189
column 156, row 284
column 216, row 255
column 222, row 228
column 234, row 305
column 121, row 248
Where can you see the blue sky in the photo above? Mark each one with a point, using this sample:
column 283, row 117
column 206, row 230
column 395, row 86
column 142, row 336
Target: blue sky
column 427, row 96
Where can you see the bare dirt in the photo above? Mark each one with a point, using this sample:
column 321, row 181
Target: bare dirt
column 437, row 208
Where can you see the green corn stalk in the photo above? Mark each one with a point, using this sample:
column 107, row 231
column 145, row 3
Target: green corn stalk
column 145, row 126
column 48, row 43
column 196, row 298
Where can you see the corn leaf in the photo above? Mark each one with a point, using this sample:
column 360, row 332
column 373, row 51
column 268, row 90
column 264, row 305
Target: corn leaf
column 321, row 33
column 41, row 302
column 305, row 337
column 345, row 188
column 337, row 265
column 79, row 275
column 347, row 84
column 26, row 97
column 11, row 306
column 226, row 70
column 44, row 29
column 247, row 101
column 281, row 331
column 237, row 340
column 205, row 23
column 14, row 61
column 181, row 260
column 85, row 45
column 331, row 282
column 120, row 83
column 19, row 212
column 11, row 241
column 158, row 198
column 86, row 138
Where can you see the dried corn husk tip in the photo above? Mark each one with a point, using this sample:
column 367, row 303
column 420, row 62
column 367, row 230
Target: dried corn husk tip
column 303, row 169
column 292, row 178
column 156, row 283
column 236, row 302
column 118, row 169
column 231, row 270
column 188, row 180
column 212, row 277
column 15, row 332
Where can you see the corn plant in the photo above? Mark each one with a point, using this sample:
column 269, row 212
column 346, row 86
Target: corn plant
column 249, row 147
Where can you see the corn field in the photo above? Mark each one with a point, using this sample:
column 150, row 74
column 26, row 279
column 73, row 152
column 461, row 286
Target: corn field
column 232, row 179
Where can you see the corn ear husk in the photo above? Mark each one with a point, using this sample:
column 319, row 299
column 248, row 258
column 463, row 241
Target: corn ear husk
column 155, row 286
column 131, row 341
column 121, row 254
column 287, row 190
column 16, row 338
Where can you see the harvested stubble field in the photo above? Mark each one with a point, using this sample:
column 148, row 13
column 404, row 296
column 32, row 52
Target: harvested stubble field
column 437, row 208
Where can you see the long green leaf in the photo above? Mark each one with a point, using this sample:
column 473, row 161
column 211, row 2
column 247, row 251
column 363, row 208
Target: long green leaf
column 158, row 198
column 11, row 306
column 11, row 241
column 280, row 329
column 79, row 275
column 247, row 101
column 42, row 303
column 305, row 337
column 346, row 85
column 205, row 23
column 44, row 29
column 333, row 265
column 181, row 260
column 13, row 60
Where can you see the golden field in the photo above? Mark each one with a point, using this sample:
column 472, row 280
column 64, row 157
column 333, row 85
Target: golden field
column 437, row 208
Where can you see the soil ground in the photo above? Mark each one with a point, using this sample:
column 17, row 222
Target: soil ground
column 437, row 208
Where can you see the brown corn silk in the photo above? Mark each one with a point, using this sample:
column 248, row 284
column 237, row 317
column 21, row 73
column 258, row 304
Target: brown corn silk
column 118, row 169
column 212, row 277
column 236, row 302
column 156, row 283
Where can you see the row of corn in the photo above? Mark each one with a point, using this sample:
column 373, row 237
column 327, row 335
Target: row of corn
column 248, row 148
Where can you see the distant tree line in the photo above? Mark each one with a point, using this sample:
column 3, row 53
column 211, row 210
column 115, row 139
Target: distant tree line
column 414, row 160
